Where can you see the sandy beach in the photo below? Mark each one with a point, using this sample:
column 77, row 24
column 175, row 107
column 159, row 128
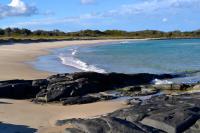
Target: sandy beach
column 24, row 116
column 14, row 58
column 43, row 117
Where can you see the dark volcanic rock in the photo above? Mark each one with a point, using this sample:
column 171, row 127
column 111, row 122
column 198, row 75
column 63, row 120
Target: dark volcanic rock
column 86, row 99
column 195, row 128
column 172, row 114
column 73, row 130
column 62, row 86
column 103, row 125
column 172, row 87
column 158, row 114
column 106, row 125
column 79, row 100
column 79, row 84
column 18, row 89
column 138, row 90
column 173, row 121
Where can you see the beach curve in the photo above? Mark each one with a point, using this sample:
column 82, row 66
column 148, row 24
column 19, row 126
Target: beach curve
column 14, row 58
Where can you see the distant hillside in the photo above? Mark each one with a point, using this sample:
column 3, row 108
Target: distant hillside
column 21, row 34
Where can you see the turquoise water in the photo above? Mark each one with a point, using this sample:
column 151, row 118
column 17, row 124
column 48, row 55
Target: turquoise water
column 149, row 56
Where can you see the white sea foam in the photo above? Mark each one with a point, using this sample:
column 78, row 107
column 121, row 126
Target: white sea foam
column 74, row 52
column 160, row 82
column 77, row 63
column 124, row 42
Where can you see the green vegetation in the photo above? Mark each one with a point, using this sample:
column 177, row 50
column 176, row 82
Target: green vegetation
column 16, row 33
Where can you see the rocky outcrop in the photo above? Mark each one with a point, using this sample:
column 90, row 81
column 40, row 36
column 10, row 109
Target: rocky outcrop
column 159, row 114
column 138, row 90
column 19, row 89
column 171, row 114
column 180, row 87
column 106, row 125
column 86, row 99
column 62, row 86
column 80, row 84
column 194, row 128
column 79, row 100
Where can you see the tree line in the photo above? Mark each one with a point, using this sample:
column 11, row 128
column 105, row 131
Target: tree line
column 13, row 32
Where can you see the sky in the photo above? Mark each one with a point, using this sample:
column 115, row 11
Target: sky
column 75, row 15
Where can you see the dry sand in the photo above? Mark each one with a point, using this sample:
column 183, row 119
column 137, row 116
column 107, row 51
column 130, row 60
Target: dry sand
column 43, row 117
column 14, row 58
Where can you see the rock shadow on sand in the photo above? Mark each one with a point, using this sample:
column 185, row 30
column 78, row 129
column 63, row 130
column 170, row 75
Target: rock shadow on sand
column 5, row 102
column 10, row 128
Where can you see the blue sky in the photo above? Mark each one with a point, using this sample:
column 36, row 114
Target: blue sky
column 73, row 15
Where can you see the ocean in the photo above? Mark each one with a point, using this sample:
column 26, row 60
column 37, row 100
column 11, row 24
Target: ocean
column 139, row 56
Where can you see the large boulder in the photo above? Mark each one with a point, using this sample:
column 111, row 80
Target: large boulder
column 174, row 121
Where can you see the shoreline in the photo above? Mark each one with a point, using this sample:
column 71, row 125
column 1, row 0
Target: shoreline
column 12, row 41
column 14, row 58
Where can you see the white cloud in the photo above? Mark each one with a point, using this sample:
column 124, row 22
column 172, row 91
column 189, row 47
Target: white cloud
column 18, row 4
column 164, row 19
column 149, row 7
column 87, row 1
column 52, row 21
column 48, row 21
column 152, row 6
column 16, row 8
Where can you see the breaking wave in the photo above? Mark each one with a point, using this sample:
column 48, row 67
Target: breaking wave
column 71, row 60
